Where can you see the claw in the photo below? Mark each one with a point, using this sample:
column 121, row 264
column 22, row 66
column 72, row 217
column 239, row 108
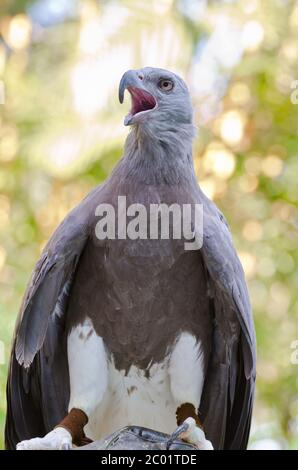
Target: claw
column 184, row 427
column 66, row 446
column 58, row 439
column 191, row 433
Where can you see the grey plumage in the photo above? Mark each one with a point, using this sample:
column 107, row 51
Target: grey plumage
column 139, row 279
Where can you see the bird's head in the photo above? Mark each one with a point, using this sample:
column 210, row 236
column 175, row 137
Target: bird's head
column 160, row 99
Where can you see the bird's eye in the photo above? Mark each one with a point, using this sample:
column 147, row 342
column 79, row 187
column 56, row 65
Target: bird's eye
column 166, row 84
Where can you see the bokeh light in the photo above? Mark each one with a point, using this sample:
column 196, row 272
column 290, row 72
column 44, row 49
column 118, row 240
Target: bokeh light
column 17, row 31
column 232, row 127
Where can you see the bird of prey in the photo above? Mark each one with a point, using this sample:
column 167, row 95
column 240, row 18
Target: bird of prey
column 117, row 331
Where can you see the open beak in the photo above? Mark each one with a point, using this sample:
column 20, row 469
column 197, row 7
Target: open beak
column 142, row 102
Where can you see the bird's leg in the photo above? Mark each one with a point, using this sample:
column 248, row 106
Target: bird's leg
column 57, row 439
column 74, row 423
column 88, row 376
column 186, row 370
column 189, row 428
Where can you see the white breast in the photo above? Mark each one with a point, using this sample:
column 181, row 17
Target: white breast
column 112, row 399
column 134, row 399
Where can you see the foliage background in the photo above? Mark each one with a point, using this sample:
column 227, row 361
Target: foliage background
column 61, row 133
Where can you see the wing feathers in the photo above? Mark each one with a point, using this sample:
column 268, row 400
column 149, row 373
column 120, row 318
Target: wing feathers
column 38, row 382
column 234, row 339
column 47, row 292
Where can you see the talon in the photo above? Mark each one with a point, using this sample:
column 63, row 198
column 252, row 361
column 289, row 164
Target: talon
column 57, row 439
column 20, row 446
column 191, row 433
column 66, row 446
column 183, row 428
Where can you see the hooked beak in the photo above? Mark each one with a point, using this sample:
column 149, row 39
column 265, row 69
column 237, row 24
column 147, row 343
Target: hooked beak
column 142, row 101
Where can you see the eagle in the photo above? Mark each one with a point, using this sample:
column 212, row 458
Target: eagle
column 117, row 331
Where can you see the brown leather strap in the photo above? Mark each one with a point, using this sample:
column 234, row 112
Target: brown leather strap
column 187, row 410
column 74, row 422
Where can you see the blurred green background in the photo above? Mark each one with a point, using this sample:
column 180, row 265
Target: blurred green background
column 61, row 133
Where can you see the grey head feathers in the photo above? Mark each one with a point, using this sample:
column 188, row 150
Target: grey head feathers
column 159, row 146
